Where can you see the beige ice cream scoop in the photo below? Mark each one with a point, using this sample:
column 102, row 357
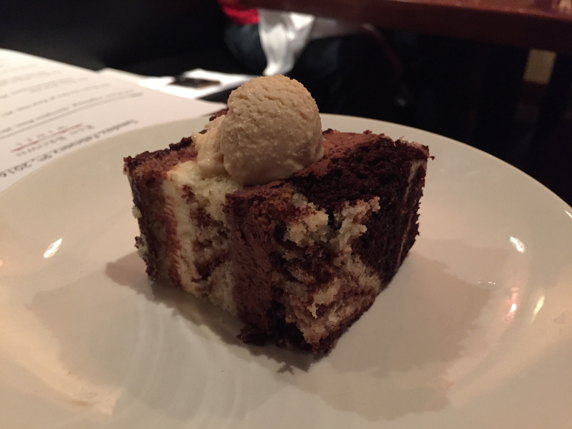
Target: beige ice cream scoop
column 272, row 129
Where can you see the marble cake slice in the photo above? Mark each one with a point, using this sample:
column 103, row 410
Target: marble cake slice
column 297, row 260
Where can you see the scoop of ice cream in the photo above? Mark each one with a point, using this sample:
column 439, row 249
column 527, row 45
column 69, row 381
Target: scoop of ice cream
column 271, row 130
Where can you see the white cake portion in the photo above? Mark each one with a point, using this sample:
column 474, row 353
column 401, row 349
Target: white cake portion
column 196, row 203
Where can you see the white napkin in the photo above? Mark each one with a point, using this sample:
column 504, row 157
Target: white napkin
column 283, row 37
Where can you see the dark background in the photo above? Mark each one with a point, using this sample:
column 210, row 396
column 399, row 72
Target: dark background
column 126, row 34
column 447, row 95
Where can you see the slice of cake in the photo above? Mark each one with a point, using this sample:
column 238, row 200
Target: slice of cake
column 298, row 256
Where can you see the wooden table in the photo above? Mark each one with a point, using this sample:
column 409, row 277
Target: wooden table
column 517, row 25
column 542, row 24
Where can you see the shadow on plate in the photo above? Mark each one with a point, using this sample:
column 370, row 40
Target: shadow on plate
column 397, row 360
column 201, row 313
column 392, row 362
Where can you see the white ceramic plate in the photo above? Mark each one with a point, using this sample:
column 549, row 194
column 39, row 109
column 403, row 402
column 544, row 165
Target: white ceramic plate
column 475, row 331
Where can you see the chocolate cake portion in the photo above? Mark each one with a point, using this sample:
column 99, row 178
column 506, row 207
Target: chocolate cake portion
column 364, row 165
column 146, row 173
column 356, row 168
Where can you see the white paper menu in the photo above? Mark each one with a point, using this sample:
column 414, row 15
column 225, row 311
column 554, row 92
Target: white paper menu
column 48, row 109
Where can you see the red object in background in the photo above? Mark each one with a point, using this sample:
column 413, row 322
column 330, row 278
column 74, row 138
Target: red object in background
column 238, row 14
